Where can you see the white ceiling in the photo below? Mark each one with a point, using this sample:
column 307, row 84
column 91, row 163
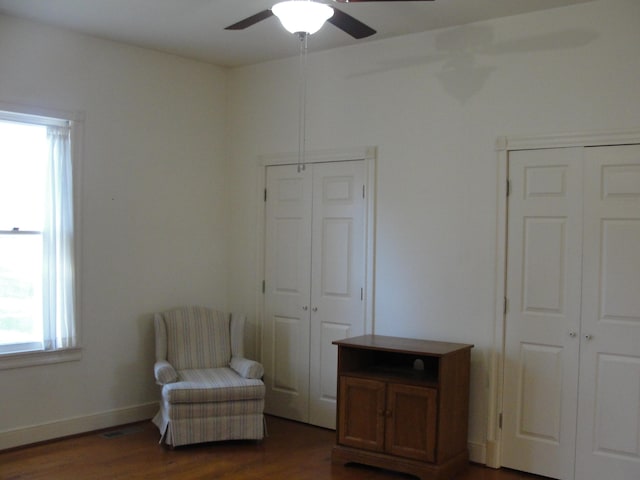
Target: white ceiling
column 195, row 28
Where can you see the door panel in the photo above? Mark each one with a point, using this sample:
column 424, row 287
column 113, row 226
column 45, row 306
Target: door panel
column 338, row 269
column 609, row 412
column 544, row 257
column 287, row 351
column 287, row 286
column 329, row 360
column 543, row 318
column 337, row 238
column 290, row 234
column 620, row 275
column 617, row 406
column 540, row 393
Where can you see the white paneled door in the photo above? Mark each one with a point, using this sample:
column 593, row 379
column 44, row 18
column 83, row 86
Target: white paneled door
column 572, row 346
column 315, row 256
column 286, row 327
column 543, row 319
column 609, row 414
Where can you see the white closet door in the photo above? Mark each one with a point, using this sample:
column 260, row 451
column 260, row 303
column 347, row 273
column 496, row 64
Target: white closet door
column 543, row 318
column 608, row 445
column 338, row 272
column 314, row 284
column 287, row 287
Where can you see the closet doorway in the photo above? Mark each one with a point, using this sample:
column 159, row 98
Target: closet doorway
column 317, row 287
column 572, row 327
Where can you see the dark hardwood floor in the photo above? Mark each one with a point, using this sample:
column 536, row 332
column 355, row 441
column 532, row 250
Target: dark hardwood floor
column 292, row 451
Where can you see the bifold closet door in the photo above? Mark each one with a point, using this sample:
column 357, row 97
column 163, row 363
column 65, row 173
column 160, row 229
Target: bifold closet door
column 608, row 445
column 572, row 334
column 314, row 283
column 286, row 328
column 337, row 277
column 543, row 318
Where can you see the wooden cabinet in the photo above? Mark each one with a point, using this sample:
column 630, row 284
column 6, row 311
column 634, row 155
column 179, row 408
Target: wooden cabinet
column 403, row 405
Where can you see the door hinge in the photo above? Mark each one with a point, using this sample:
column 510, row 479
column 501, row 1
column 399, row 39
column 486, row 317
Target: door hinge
column 363, row 191
column 265, row 194
column 508, row 187
column 505, row 306
column 263, row 286
column 361, row 294
column 500, row 420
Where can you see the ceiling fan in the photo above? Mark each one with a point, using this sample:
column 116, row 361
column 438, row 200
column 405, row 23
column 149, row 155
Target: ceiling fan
column 317, row 12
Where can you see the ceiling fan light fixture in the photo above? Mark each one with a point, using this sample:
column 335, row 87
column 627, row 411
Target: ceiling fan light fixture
column 302, row 16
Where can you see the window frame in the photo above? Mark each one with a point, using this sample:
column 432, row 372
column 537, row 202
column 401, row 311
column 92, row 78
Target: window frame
column 74, row 120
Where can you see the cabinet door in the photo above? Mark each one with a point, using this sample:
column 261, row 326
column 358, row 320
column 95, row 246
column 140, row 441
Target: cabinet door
column 411, row 421
column 361, row 413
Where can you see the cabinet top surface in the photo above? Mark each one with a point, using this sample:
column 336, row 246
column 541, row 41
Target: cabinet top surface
column 407, row 345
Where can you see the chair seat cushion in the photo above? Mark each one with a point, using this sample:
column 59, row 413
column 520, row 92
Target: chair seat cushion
column 212, row 385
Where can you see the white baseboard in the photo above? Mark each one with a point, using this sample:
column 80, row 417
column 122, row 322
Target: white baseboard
column 477, row 452
column 73, row 426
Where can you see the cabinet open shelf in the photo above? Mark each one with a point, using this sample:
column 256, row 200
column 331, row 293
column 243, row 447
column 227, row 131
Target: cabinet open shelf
column 407, row 375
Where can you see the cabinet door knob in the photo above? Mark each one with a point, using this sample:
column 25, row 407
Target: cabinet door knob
column 315, row 309
column 588, row 337
column 572, row 334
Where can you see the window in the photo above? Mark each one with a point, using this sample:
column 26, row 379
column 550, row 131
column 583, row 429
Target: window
column 37, row 237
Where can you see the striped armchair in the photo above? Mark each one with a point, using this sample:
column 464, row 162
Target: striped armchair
column 210, row 392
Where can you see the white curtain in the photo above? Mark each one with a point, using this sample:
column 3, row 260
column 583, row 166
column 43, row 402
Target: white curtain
column 58, row 284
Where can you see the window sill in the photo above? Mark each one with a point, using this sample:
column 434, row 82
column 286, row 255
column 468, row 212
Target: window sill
column 30, row 359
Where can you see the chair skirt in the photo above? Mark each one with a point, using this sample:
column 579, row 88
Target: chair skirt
column 185, row 423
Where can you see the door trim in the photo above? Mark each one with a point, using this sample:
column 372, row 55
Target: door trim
column 368, row 154
column 505, row 144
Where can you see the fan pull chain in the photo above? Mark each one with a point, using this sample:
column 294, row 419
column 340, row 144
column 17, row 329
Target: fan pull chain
column 302, row 104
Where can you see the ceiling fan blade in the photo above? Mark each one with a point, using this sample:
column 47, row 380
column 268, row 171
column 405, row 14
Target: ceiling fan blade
column 350, row 25
column 253, row 19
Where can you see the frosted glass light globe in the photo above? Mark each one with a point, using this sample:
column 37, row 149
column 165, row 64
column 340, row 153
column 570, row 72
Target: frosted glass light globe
column 302, row 16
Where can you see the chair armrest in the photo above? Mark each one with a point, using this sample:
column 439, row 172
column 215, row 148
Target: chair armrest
column 247, row 368
column 164, row 372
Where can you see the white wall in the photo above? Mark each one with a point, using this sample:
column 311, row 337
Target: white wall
column 434, row 104
column 154, row 209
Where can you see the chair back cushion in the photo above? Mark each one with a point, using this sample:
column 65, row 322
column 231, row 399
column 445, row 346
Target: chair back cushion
column 197, row 337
